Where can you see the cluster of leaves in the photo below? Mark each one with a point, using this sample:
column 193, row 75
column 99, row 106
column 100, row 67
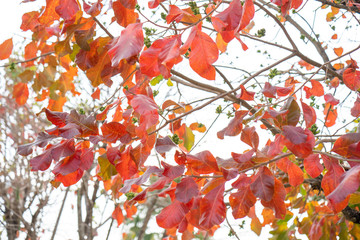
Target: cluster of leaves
column 275, row 172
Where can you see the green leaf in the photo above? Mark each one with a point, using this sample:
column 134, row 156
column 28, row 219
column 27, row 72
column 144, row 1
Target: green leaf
column 156, row 80
column 169, row 83
column 189, row 138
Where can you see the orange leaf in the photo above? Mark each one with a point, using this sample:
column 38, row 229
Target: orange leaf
column 351, row 78
column 330, row 115
column 56, row 105
column 338, row 51
column 29, row 21
column 221, row 44
column 124, row 16
column 96, row 94
column 21, row 93
column 335, row 36
column 6, row 48
column 118, row 215
column 306, row 65
column 204, row 52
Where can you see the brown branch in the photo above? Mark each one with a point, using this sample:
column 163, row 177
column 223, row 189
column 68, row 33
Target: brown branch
column 59, row 215
column 280, row 25
column 103, row 27
column 151, row 206
column 341, row 6
column 29, row 60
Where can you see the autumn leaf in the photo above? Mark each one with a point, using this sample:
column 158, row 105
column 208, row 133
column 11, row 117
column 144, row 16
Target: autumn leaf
column 128, row 45
column 67, row 9
column 349, row 183
column 124, row 16
column 300, row 142
column 338, row 51
column 161, row 57
column 316, row 89
column 309, row 114
column 6, row 49
column 212, row 208
column 234, row 127
column 313, row 166
column 241, row 202
column 118, row 215
column 203, row 54
column 21, row 93
column 172, row 215
column 263, row 184
column 351, row 78
column 186, row 190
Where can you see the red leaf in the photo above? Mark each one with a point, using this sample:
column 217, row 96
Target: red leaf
column 69, row 179
column 172, row 172
column 140, row 180
column 243, row 158
column 277, row 203
column 176, row 14
column 202, row 162
column 41, row 162
column 306, row 65
column 21, row 93
column 69, row 164
column 186, row 190
column 63, row 149
column 172, row 215
column 246, row 95
column 303, row 149
column 67, row 9
column 124, row 16
column 228, row 20
column 96, row 94
column 294, row 134
column 6, row 48
column 283, row 91
column 114, row 131
column 296, row 175
column 212, row 208
column 56, row 118
column 128, row 45
column 330, row 115
column 204, row 53
column 164, row 145
column 86, row 125
column 241, row 202
column 329, row 98
column 355, row 110
column 125, row 165
column 118, row 215
column 147, row 109
column 269, row 90
column 263, row 184
column 341, row 145
column 309, row 115
column 316, row 89
column 351, row 78
column 349, row 183
column 161, row 57
column 250, row 137
column 332, row 179
column 30, row 21
column 235, row 125
column 94, row 9
column 41, row 141
column 313, row 166
column 248, row 14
